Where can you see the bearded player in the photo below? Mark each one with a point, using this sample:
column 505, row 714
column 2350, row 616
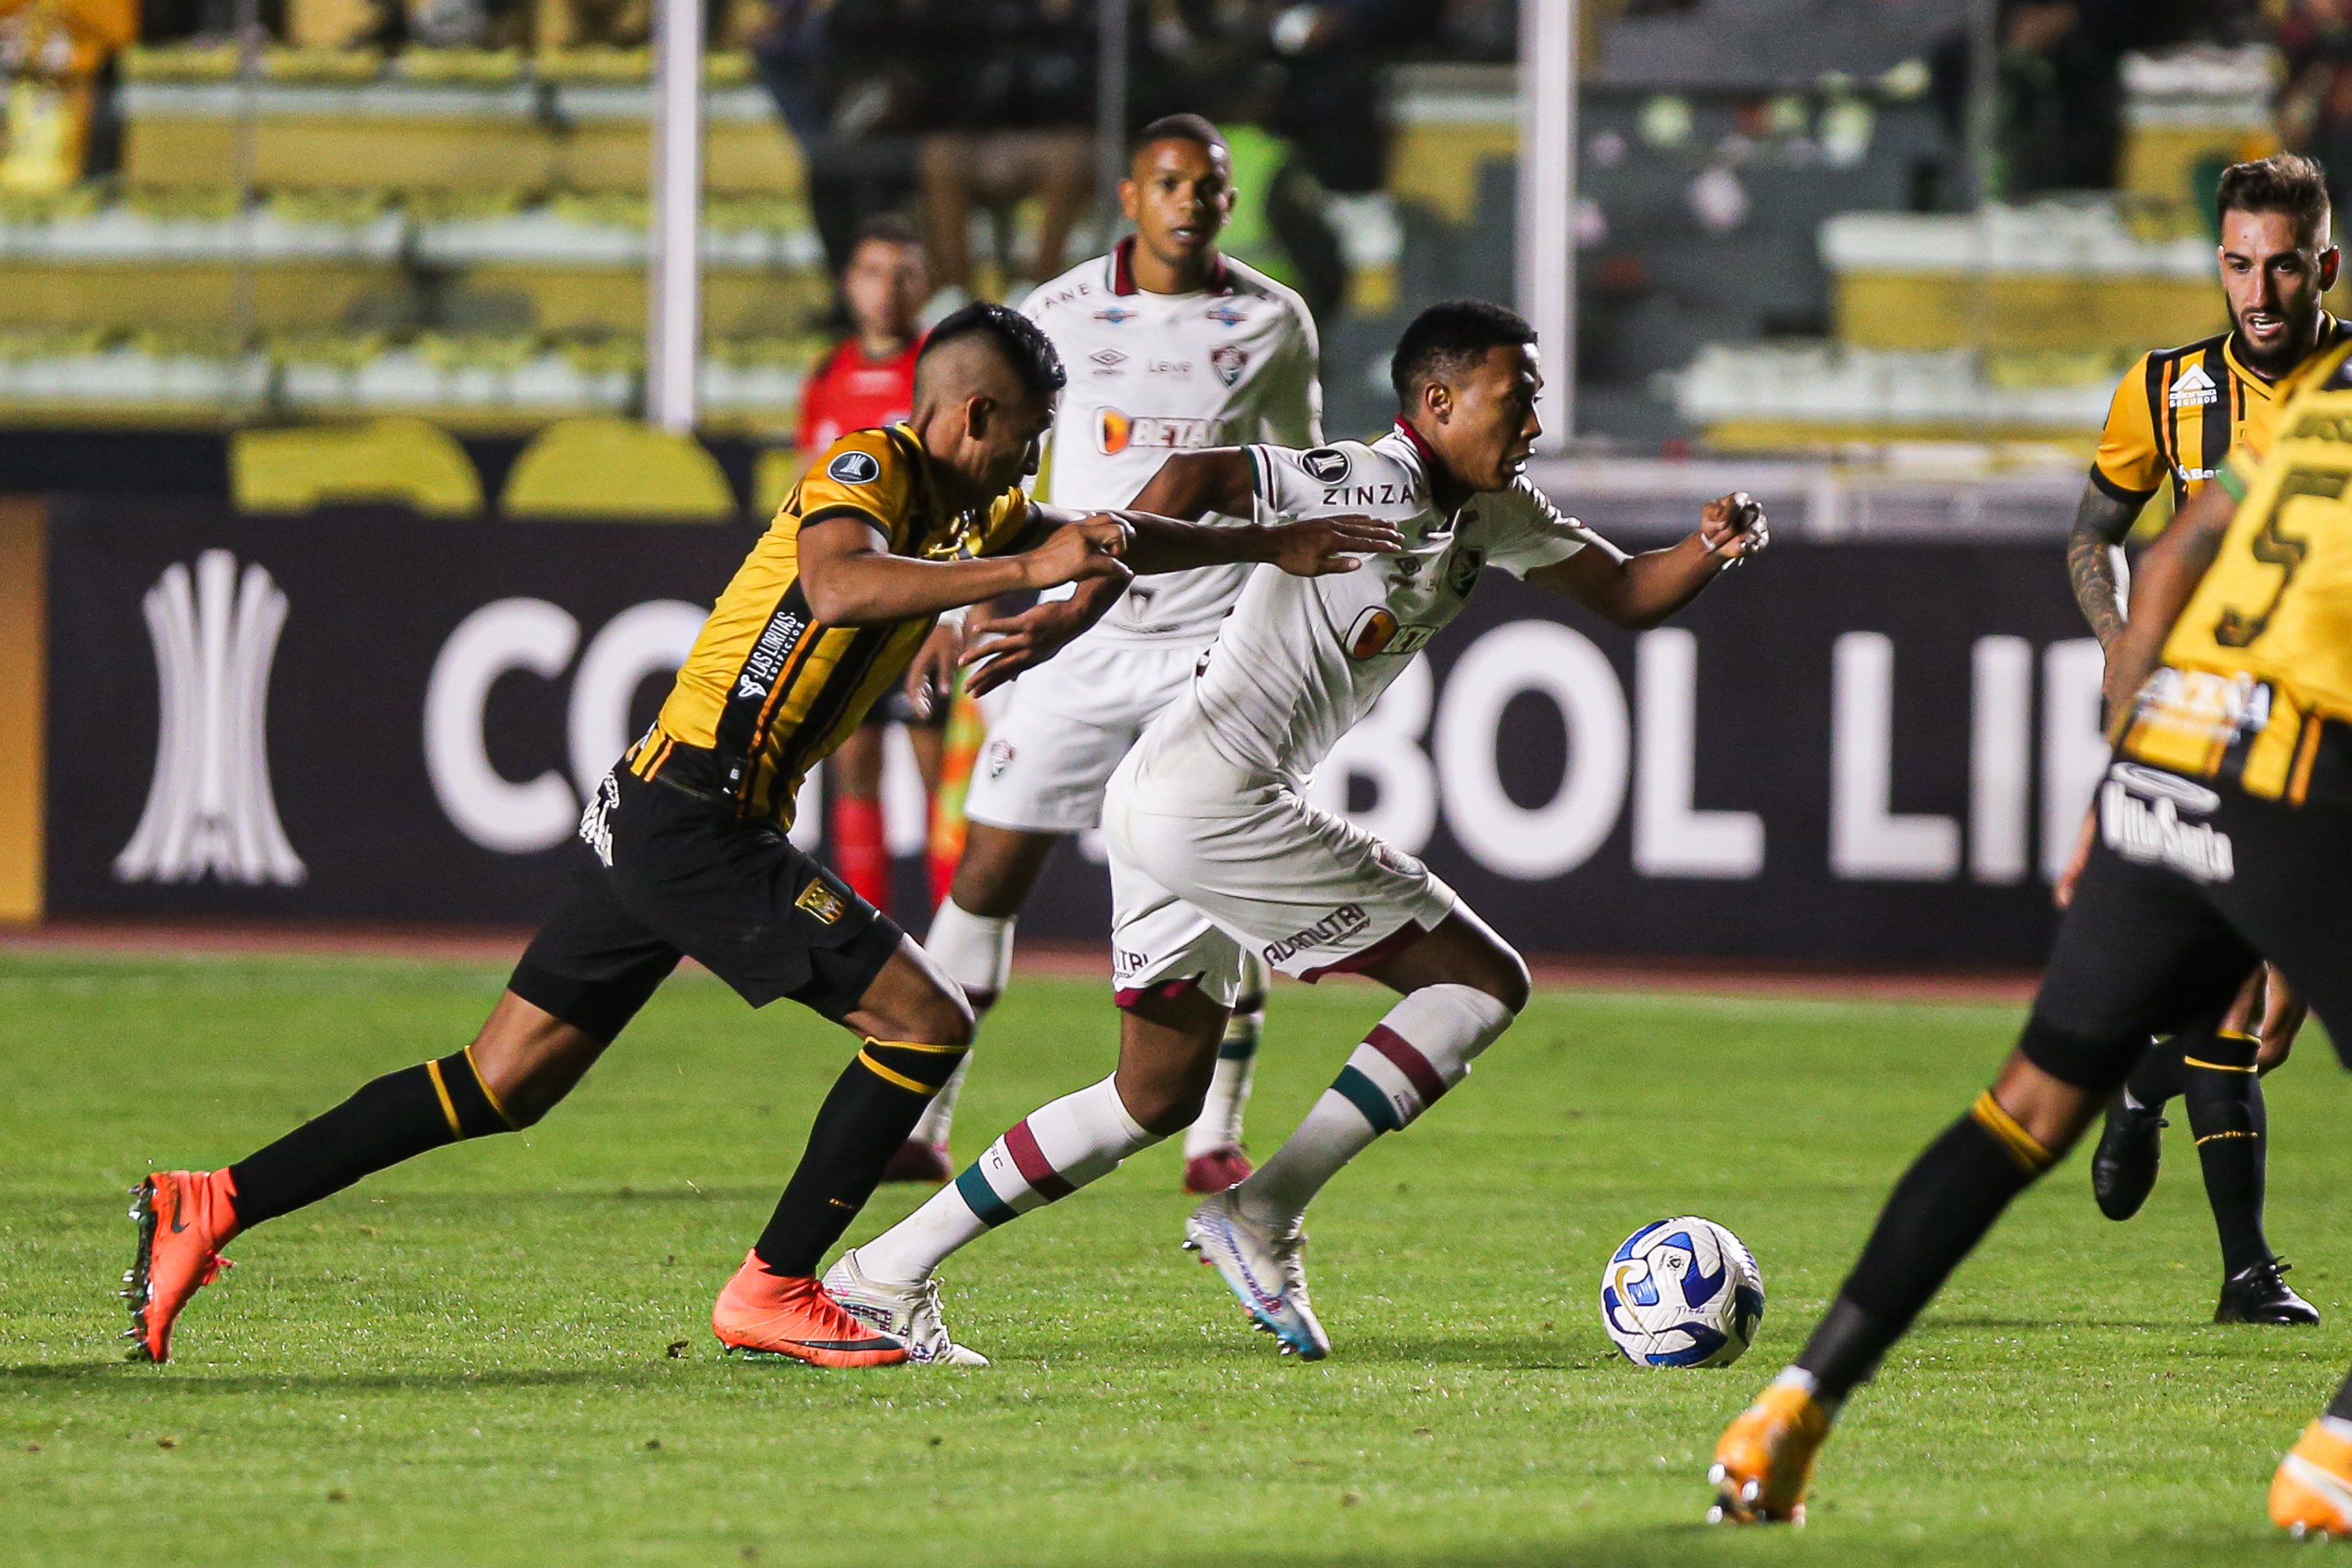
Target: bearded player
column 2224, row 837
column 2174, row 418
column 1217, row 853
column 683, row 848
column 1171, row 345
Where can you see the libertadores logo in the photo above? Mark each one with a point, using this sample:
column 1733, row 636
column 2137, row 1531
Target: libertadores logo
column 210, row 810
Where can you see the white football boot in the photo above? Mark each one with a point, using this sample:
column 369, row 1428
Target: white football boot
column 1265, row 1269
column 911, row 1312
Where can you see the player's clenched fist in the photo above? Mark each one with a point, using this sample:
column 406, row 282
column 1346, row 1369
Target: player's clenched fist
column 1080, row 551
column 1317, row 547
column 1734, row 527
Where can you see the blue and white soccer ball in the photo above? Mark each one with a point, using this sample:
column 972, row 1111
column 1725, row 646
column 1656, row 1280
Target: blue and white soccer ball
column 1682, row 1292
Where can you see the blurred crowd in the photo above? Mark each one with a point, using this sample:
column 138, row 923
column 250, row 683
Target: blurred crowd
column 956, row 106
column 2058, row 123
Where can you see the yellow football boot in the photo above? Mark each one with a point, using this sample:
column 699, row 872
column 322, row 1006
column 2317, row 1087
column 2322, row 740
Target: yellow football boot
column 1764, row 1458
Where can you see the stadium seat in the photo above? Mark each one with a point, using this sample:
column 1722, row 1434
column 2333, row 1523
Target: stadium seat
column 399, row 459
column 607, row 467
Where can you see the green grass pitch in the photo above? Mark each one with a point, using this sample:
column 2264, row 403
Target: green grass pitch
column 500, row 1354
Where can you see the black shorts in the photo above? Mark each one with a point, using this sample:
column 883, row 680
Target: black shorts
column 2188, row 885
column 658, row 874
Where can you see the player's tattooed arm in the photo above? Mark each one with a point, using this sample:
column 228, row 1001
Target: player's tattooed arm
column 2100, row 522
column 851, row 577
column 2168, row 574
column 1640, row 591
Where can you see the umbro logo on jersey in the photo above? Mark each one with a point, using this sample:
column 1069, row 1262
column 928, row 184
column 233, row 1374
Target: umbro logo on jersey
column 1326, row 463
column 2193, row 388
column 854, row 469
column 1229, row 360
column 1107, row 361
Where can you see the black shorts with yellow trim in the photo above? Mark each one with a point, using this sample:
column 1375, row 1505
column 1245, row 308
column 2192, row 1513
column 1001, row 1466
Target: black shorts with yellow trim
column 659, row 873
column 2190, row 883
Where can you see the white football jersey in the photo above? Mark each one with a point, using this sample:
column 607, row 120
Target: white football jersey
column 1151, row 374
column 1301, row 659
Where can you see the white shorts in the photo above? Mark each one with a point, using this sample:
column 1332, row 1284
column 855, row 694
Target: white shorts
column 1065, row 726
column 1306, row 889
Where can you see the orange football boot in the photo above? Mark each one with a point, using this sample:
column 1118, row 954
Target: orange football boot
column 2312, row 1493
column 1764, row 1458
column 184, row 1217
column 762, row 1314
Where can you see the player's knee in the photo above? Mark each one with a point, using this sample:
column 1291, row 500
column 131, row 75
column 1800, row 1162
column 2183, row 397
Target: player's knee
column 944, row 1018
column 1508, row 981
column 1168, row 1109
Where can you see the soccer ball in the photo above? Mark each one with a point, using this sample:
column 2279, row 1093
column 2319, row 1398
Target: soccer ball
column 1682, row 1292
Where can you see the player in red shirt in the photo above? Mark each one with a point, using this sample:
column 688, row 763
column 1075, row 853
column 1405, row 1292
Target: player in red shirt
column 869, row 381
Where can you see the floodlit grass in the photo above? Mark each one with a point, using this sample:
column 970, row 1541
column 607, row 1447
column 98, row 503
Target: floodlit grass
column 500, row 1352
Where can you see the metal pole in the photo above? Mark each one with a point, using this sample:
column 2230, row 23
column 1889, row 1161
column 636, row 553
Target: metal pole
column 1110, row 117
column 246, row 169
column 673, row 316
column 1546, row 217
column 1984, row 100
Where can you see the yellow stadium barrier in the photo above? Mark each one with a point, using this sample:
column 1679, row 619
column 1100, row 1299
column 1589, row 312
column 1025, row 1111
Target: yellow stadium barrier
column 400, row 459
column 23, row 688
column 608, row 468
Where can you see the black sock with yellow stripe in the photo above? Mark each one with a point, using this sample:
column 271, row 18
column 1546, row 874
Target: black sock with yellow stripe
column 873, row 1106
column 2224, row 1100
column 396, row 1118
column 1934, row 1217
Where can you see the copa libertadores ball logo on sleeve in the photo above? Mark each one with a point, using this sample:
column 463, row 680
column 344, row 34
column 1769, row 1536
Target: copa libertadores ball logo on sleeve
column 210, row 810
column 854, row 467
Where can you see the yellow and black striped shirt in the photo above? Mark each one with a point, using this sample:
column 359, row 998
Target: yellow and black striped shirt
column 769, row 690
column 2256, row 685
column 2177, row 413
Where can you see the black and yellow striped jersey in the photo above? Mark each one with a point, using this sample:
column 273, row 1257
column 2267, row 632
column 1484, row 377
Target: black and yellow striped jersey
column 769, row 690
column 2258, row 668
column 2177, row 413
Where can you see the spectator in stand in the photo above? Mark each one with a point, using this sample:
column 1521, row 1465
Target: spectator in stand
column 2315, row 104
column 847, row 78
column 868, row 381
column 1013, row 96
column 1332, row 104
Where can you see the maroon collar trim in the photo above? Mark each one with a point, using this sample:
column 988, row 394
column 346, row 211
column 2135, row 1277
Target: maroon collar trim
column 1427, row 453
column 1122, row 270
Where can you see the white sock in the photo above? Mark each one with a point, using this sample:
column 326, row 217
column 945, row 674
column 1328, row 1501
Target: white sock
column 976, row 952
column 1219, row 1125
column 1423, row 1047
column 2338, row 1425
column 1048, row 1154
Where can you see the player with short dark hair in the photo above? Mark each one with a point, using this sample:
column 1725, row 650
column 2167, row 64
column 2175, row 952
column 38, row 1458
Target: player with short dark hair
column 1215, row 855
column 682, row 850
column 868, row 382
column 2224, row 836
column 1172, row 346
column 2174, row 417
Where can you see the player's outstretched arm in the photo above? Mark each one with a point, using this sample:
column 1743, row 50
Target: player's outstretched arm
column 1640, row 591
column 2101, row 522
column 1169, row 536
column 851, row 578
column 2168, row 574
